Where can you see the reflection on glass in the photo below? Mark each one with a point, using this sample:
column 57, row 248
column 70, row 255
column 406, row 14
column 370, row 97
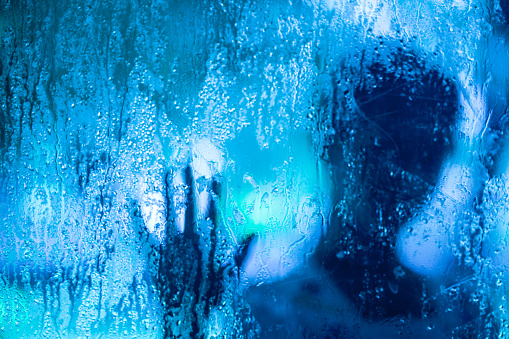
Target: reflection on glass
column 253, row 169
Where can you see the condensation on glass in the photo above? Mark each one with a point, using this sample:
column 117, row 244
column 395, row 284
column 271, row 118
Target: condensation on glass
column 253, row 169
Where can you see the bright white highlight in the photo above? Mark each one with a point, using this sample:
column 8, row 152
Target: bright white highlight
column 207, row 160
column 424, row 246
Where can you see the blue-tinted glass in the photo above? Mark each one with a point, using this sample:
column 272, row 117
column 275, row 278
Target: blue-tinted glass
column 253, row 169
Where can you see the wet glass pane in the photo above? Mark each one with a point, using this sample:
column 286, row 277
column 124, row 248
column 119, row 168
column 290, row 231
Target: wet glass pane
column 254, row 169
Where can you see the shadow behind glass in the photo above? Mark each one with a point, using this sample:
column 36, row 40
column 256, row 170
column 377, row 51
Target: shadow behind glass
column 393, row 120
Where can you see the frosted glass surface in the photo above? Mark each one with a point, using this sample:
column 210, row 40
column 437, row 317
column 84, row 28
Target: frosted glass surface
column 254, row 169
